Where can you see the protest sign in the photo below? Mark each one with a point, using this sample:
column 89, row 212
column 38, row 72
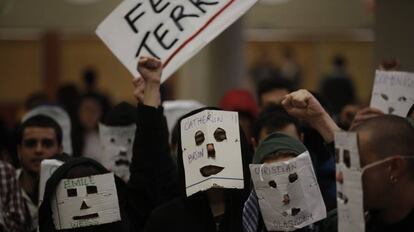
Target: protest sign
column 86, row 201
column 393, row 92
column 211, row 151
column 349, row 183
column 117, row 144
column 288, row 193
column 173, row 31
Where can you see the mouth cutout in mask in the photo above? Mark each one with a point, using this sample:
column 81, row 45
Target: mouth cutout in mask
column 349, row 183
column 288, row 193
column 211, row 151
column 117, row 142
column 86, row 201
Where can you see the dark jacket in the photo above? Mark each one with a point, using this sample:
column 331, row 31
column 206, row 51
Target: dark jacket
column 193, row 213
column 152, row 180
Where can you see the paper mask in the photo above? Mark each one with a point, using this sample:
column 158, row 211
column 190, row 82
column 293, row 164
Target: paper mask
column 349, row 183
column 393, row 92
column 288, row 193
column 117, row 144
column 61, row 117
column 47, row 168
column 85, row 201
column 211, row 151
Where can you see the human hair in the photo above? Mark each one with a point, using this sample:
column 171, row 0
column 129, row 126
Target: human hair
column 272, row 83
column 274, row 118
column 42, row 121
column 389, row 135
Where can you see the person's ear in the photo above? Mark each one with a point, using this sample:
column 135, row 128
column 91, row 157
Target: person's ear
column 397, row 168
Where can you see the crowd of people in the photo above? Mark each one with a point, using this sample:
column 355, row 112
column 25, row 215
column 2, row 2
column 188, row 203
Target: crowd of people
column 151, row 194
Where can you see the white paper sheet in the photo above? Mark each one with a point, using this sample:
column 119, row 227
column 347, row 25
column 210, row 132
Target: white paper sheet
column 174, row 31
column 47, row 168
column 207, row 131
column 288, row 193
column 117, row 145
column 86, row 201
column 349, row 192
column 393, row 92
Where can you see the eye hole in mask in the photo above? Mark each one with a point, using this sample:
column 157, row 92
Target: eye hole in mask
column 199, row 138
column 272, row 184
column 220, row 134
column 384, row 96
column 72, row 192
column 347, row 158
column 293, row 177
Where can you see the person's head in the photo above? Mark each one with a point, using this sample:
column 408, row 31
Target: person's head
column 274, row 118
column 389, row 139
column 212, row 146
column 86, row 183
column 90, row 111
column 278, row 147
column 39, row 137
column 339, row 61
column 273, row 90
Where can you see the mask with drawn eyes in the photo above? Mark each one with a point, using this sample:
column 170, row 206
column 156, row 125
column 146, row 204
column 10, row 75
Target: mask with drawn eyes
column 349, row 183
column 117, row 148
column 288, row 193
column 393, row 92
column 211, row 150
column 86, row 201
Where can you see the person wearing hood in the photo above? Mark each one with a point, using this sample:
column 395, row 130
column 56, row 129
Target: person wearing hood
column 92, row 199
column 281, row 151
column 215, row 209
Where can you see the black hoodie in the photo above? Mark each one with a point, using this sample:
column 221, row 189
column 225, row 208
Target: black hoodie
column 193, row 213
column 152, row 176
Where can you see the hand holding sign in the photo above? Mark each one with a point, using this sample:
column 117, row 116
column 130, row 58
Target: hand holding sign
column 147, row 88
column 150, row 69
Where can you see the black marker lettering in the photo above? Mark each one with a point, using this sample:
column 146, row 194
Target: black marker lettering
column 155, row 5
column 133, row 20
column 200, row 3
column 161, row 37
column 144, row 45
column 177, row 14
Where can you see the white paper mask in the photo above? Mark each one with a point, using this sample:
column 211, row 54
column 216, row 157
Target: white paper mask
column 211, row 151
column 117, row 148
column 47, row 168
column 349, row 183
column 173, row 110
column 288, row 193
column 61, row 117
column 393, row 92
column 86, row 201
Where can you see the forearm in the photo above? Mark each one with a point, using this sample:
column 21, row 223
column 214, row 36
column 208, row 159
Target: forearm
column 326, row 127
column 152, row 96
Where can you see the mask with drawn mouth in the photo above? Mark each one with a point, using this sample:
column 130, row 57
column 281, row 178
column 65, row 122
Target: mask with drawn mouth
column 210, row 143
column 86, row 201
column 117, row 144
column 393, row 92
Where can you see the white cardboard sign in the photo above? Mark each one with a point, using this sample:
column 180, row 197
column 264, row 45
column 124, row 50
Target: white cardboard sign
column 288, row 193
column 86, row 201
column 117, row 142
column 211, row 151
column 349, row 191
column 173, row 31
column 393, row 92
column 47, row 168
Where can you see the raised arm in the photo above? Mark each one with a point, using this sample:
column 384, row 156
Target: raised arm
column 303, row 105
